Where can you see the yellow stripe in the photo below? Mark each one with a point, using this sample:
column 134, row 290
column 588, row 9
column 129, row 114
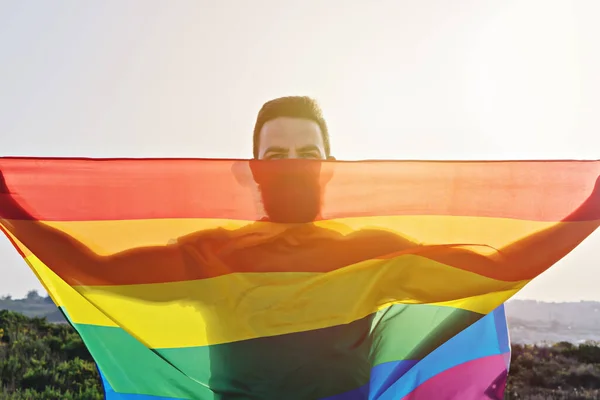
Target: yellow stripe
column 109, row 237
column 66, row 296
column 245, row 306
column 61, row 293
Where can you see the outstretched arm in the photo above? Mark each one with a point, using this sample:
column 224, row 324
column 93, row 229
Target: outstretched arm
column 547, row 247
column 532, row 255
column 74, row 261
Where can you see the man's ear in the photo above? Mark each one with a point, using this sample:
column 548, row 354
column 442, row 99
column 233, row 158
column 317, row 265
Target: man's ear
column 242, row 172
column 327, row 170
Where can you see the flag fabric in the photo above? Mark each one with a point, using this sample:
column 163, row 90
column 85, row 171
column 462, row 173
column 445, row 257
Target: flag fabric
column 242, row 279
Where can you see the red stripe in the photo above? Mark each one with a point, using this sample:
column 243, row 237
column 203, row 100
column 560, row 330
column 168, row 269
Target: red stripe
column 84, row 189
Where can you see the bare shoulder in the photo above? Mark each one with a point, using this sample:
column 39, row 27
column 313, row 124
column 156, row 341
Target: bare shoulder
column 222, row 235
column 381, row 241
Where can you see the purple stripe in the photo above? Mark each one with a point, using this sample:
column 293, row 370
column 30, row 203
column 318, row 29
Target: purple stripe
column 484, row 378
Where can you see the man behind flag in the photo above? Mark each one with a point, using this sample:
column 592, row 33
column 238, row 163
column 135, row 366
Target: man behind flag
column 290, row 237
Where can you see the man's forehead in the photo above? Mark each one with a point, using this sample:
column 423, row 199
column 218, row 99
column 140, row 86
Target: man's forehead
column 291, row 131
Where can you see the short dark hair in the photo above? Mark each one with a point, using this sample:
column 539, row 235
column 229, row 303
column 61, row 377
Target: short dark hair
column 293, row 107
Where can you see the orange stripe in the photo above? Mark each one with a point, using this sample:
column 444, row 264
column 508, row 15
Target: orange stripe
column 322, row 247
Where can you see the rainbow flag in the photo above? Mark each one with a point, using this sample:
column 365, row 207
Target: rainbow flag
column 239, row 279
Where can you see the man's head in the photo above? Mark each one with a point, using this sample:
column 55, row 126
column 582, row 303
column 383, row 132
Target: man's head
column 291, row 128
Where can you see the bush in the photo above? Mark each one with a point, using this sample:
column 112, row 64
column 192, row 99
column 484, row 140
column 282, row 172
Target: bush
column 44, row 361
column 561, row 371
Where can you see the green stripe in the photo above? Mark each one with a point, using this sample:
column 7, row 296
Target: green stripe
column 130, row 367
column 338, row 358
column 411, row 332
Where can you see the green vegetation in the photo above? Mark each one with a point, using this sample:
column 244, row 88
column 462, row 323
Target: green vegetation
column 40, row 360
column 44, row 360
column 562, row 371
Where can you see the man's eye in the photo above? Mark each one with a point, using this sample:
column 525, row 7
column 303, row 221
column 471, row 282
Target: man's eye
column 312, row 155
column 276, row 156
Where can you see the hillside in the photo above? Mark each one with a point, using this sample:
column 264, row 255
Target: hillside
column 538, row 322
column 33, row 305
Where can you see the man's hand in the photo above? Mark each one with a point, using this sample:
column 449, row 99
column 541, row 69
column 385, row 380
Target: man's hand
column 3, row 186
column 9, row 207
column 7, row 203
column 592, row 203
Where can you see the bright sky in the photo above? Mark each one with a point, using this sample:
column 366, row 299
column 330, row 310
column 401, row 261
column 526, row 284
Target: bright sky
column 428, row 79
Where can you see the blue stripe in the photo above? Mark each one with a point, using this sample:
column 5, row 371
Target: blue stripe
column 394, row 380
column 484, row 338
column 502, row 329
column 110, row 394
